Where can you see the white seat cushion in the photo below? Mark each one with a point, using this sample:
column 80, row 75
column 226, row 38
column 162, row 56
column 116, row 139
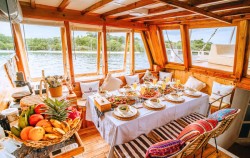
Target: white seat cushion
column 132, row 79
column 164, row 75
column 219, row 90
column 111, row 83
column 195, row 83
column 89, row 88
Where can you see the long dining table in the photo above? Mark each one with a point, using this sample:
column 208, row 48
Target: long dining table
column 117, row 132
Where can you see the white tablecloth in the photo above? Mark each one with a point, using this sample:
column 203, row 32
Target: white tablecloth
column 117, row 132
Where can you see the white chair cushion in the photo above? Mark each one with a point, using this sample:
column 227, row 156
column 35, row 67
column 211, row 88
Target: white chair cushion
column 219, row 90
column 132, row 79
column 195, row 83
column 89, row 88
column 148, row 76
column 163, row 75
column 111, row 83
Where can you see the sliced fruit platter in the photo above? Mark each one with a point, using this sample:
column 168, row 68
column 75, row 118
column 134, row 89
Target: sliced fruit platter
column 117, row 100
column 46, row 124
column 177, row 86
column 150, row 93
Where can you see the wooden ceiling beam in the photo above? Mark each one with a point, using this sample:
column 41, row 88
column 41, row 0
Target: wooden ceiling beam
column 33, row 3
column 167, row 15
column 76, row 17
column 129, row 7
column 235, row 12
column 63, row 5
column 201, row 2
column 96, row 6
column 195, row 10
column 228, row 6
column 160, row 9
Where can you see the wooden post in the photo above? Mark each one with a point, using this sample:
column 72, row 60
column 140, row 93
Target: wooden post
column 99, row 36
column 146, row 46
column 185, row 46
column 241, row 47
column 247, row 54
column 22, row 63
column 69, row 45
column 132, row 53
column 104, row 51
column 125, row 53
column 64, row 50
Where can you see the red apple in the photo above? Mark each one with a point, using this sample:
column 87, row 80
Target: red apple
column 35, row 118
column 40, row 108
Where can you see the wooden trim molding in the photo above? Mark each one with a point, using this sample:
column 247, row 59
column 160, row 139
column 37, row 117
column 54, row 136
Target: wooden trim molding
column 64, row 51
column 147, row 49
column 99, row 46
column 104, row 51
column 185, row 39
column 69, row 46
column 125, row 52
column 241, row 47
column 63, row 5
column 132, row 52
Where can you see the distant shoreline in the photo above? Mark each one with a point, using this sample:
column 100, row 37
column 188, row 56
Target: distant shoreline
column 59, row 52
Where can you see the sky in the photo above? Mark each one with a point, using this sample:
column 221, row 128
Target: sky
column 222, row 36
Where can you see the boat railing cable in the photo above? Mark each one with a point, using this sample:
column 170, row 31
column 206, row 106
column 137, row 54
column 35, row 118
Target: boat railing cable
column 231, row 37
column 171, row 47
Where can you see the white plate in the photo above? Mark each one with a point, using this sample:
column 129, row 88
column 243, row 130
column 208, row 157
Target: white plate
column 192, row 93
column 169, row 97
column 153, row 105
column 131, row 112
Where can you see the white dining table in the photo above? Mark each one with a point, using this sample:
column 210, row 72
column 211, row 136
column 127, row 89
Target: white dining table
column 117, row 132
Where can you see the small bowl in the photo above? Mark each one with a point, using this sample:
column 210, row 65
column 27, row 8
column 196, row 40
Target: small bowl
column 154, row 101
column 124, row 108
column 174, row 96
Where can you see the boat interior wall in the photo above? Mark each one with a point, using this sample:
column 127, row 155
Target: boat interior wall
column 241, row 100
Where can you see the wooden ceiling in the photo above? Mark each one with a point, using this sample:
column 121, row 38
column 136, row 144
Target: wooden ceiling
column 151, row 11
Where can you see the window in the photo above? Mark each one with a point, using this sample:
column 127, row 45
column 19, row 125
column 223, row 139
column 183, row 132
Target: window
column 85, row 52
column 213, row 47
column 6, row 42
column 43, row 44
column 116, row 42
column 173, row 44
column 141, row 58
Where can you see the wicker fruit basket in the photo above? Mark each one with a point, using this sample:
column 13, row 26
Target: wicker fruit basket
column 44, row 143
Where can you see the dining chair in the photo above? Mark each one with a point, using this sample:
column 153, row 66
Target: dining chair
column 224, row 125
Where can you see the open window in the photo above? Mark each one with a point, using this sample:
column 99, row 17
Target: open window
column 173, row 45
column 6, row 42
column 141, row 58
column 213, row 47
column 117, row 55
column 85, row 53
column 44, row 50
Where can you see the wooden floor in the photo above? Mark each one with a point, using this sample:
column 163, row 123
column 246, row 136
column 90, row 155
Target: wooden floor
column 96, row 147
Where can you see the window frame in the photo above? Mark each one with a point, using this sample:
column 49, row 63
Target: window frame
column 98, row 55
column 228, row 73
column 165, row 49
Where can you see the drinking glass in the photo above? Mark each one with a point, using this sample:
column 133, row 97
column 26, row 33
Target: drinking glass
column 154, row 81
column 167, row 79
column 134, row 85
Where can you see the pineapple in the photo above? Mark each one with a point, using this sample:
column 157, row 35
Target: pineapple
column 56, row 109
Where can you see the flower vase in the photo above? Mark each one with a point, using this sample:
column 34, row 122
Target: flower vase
column 55, row 92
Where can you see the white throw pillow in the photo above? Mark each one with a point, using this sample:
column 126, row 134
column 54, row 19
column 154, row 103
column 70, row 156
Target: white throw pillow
column 89, row 88
column 111, row 83
column 195, row 83
column 164, row 75
column 132, row 79
column 148, row 76
column 219, row 90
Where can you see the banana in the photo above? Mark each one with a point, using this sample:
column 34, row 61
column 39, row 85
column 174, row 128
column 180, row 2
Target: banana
column 65, row 126
column 48, row 129
column 16, row 131
column 31, row 110
column 75, row 122
column 69, row 121
column 56, row 123
column 58, row 131
column 51, row 136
